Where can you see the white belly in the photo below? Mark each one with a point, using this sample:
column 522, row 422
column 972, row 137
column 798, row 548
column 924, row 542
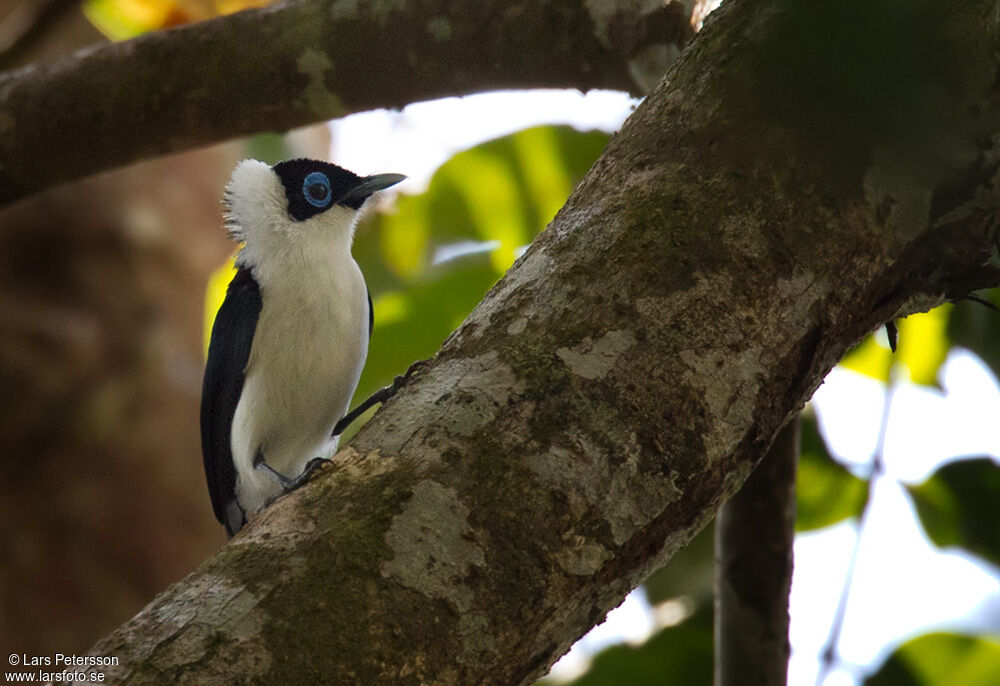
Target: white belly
column 308, row 351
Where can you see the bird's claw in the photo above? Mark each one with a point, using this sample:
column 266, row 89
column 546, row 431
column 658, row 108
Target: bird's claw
column 312, row 466
column 404, row 378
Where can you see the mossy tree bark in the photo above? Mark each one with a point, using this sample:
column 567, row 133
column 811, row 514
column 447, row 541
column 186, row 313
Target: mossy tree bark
column 804, row 174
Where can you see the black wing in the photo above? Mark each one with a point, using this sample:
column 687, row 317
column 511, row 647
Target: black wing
column 371, row 315
column 228, row 353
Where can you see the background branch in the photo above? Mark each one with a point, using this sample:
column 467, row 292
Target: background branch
column 754, row 533
column 301, row 62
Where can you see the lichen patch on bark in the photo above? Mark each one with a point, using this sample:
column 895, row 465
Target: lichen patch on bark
column 580, row 556
column 433, row 545
column 517, row 326
column 895, row 185
column 730, row 407
column 594, row 359
column 636, row 496
column 344, row 9
column 439, row 28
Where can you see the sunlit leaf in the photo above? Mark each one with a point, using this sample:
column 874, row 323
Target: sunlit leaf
column 941, row 660
column 826, row 493
column 505, row 190
column 958, row 505
column 489, row 186
column 547, row 177
column 411, row 324
column 923, row 344
column 124, row 19
column 405, row 237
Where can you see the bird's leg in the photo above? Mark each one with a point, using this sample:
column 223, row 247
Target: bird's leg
column 379, row 396
column 260, row 463
column 288, row 485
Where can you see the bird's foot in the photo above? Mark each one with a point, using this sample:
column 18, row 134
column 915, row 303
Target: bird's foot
column 312, row 466
column 401, row 380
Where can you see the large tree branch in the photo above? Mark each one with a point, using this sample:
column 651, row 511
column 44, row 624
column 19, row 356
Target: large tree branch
column 306, row 61
column 623, row 378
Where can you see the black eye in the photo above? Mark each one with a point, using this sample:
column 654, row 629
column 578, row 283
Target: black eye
column 316, row 189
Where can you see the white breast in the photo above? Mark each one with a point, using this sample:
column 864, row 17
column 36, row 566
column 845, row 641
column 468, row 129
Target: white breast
column 308, row 351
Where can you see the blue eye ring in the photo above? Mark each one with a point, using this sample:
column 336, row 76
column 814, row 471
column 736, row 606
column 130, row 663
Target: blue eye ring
column 316, row 189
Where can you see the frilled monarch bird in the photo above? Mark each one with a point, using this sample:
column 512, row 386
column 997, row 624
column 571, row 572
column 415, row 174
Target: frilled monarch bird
column 290, row 340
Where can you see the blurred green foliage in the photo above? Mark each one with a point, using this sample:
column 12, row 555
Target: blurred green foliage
column 941, row 659
column 690, row 573
column 959, row 506
column 826, row 492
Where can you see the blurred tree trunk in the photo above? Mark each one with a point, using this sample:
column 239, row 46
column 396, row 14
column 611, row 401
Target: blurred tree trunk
column 754, row 532
column 803, row 174
column 101, row 299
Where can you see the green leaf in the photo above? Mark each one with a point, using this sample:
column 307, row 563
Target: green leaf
column 976, row 327
column 122, row 19
column 680, row 654
column 826, row 493
column 941, row 660
column 957, row 506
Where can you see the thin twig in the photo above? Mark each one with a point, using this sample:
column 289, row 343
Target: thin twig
column 828, row 656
